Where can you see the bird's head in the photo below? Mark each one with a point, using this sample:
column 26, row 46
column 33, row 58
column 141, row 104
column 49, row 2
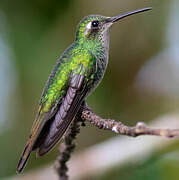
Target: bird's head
column 94, row 26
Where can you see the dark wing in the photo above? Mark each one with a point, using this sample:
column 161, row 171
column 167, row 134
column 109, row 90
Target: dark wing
column 50, row 131
column 31, row 143
column 68, row 109
column 40, row 122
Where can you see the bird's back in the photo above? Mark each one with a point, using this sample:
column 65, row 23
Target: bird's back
column 57, row 83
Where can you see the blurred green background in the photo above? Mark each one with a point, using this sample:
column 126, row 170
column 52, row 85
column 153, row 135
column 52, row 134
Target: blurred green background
column 141, row 82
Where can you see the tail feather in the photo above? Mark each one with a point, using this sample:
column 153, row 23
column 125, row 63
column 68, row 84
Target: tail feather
column 24, row 158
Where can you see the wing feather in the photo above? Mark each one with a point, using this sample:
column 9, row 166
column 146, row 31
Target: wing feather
column 51, row 126
column 68, row 110
column 35, row 133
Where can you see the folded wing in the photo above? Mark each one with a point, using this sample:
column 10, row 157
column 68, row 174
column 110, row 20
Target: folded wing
column 68, row 109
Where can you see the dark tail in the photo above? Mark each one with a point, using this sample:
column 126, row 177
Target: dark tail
column 24, row 158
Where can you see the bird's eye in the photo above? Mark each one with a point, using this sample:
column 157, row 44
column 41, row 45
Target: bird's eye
column 95, row 24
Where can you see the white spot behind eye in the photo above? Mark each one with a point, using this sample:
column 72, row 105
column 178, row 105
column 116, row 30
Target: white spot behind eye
column 88, row 26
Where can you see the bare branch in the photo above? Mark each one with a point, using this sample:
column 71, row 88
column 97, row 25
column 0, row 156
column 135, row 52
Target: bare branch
column 66, row 148
column 137, row 148
column 120, row 128
column 86, row 113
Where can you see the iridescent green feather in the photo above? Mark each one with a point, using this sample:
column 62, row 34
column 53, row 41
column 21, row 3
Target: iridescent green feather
column 83, row 51
column 60, row 78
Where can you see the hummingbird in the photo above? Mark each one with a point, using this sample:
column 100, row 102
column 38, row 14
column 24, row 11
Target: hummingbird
column 77, row 73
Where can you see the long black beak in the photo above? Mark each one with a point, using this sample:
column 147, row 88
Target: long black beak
column 117, row 18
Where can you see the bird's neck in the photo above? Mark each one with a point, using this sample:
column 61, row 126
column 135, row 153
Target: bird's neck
column 97, row 46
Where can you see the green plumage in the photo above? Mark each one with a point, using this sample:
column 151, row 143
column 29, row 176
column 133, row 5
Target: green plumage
column 78, row 72
column 58, row 81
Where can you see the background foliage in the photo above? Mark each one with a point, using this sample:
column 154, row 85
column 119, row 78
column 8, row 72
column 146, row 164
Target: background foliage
column 141, row 82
